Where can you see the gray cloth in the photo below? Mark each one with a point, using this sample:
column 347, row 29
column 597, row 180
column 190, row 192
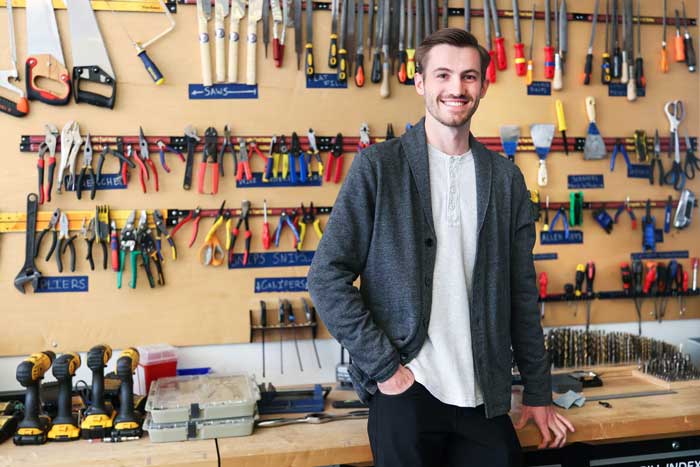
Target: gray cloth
column 382, row 229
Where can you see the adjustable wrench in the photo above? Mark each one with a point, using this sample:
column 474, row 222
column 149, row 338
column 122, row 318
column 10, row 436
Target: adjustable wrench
column 29, row 272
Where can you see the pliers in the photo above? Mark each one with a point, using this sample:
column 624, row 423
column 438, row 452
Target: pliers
column 656, row 161
column 274, row 154
column 692, row 163
column 209, row 156
column 87, row 232
column 295, row 153
column 127, row 243
column 163, row 230
column 65, row 241
column 227, row 145
column 283, row 149
column 102, row 231
column 192, row 216
column 70, row 145
column 308, row 217
column 53, row 222
column 162, row 147
column 284, row 219
column 626, row 207
column 314, row 153
column 243, row 165
column 144, row 160
column 124, row 162
column 48, row 145
column 619, row 148
column 335, row 160
column 242, row 218
column 254, row 150
column 87, row 170
column 560, row 212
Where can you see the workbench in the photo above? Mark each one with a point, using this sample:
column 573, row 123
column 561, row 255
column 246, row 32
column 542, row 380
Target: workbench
column 673, row 418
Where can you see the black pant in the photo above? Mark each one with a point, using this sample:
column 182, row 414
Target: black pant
column 414, row 429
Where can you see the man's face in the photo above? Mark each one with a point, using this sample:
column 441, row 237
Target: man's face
column 451, row 84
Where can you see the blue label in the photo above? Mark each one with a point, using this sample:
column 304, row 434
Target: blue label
column 556, row 237
column 273, row 260
column 223, row 91
column 325, row 81
column 281, row 284
column 544, row 256
column 585, row 181
column 638, row 171
column 680, row 254
column 107, row 182
column 408, row 82
column 257, row 182
column 620, row 90
column 659, row 235
column 63, row 284
column 540, row 88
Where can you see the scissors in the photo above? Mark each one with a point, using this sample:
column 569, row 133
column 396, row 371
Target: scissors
column 675, row 113
column 692, row 163
column 211, row 253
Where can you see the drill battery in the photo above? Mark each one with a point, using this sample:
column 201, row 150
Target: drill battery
column 10, row 415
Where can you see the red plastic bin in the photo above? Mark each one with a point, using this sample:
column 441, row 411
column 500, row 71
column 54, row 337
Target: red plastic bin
column 156, row 361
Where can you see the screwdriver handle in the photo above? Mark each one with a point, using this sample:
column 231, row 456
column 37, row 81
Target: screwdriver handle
column 491, row 70
column 624, row 68
column 680, row 48
column 266, row 235
column 639, row 78
column 360, row 71
column 561, row 120
column 333, row 52
column 557, row 82
column 689, row 53
column 588, row 68
column 501, row 61
column 631, row 83
column 410, row 63
column 543, row 285
column 114, row 245
column 402, row 73
column 342, row 66
column 549, row 62
column 530, row 70
column 376, row 75
column 606, row 65
column 663, row 61
column 150, row 66
column 520, row 65
column 309, row 60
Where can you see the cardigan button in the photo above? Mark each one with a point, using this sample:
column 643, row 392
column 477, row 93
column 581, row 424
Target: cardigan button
column 429, row 242
column 428, row 281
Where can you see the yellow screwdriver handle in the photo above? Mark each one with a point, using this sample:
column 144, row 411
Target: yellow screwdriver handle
column 560, row 115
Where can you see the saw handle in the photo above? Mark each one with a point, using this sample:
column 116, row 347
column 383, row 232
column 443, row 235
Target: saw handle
column 151, row 67
column 16, row 109
column 93, row 74
column 46, row 66
column 251, row 55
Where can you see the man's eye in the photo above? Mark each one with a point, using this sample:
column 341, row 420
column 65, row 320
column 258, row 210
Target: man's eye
column 442, row 75
column 470, row 77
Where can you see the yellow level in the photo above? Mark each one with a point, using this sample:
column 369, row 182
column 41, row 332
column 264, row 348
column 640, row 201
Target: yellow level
column 17, row 221
column 141, row 6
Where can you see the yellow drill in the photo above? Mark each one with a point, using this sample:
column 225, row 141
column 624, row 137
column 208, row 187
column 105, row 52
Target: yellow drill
column 65, row 425
column 98, row 417
column 32, row 429
column 127, row 424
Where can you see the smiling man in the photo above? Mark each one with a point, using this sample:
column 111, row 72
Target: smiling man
column 440, row 231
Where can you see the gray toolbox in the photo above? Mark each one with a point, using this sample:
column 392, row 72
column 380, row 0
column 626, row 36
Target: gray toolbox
column 198, row 429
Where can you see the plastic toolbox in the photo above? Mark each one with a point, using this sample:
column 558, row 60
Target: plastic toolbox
column 198, row 429
column 202, row 397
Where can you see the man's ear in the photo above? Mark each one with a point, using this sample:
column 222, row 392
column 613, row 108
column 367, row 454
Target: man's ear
column 418, row 83
column 484, row 88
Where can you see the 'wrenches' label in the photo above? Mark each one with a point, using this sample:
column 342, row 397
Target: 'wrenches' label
column 679, row 254
column 580, row 182
column 257, row 181
column 325, row 81
column 539, row 88
column 558, row 237
column 638, row 171
column 620, row 90
column 63, row 284
column 544, row 256
column 281, row 284
column 273, row 260
column 107, row 182
column 223, row 91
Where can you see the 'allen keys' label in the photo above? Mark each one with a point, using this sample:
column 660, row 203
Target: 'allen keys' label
column 558, row 237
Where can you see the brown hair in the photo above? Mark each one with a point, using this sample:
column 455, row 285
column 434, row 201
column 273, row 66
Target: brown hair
column 450, row 36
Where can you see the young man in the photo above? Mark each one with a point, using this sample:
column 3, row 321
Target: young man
column 440, row 230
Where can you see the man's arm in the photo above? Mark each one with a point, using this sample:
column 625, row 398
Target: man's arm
column 526, row 330
column 338, row 261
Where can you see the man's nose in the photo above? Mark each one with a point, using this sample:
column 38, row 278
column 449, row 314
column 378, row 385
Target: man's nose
column 455, row 86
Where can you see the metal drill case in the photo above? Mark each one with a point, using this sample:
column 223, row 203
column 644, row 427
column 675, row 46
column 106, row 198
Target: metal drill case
column 202, row 397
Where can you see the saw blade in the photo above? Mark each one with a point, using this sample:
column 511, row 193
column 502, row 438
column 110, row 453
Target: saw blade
column 87, row 45
column 42, row 31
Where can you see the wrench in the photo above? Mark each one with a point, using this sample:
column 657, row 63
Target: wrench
column 192, row 140
column 29, row 272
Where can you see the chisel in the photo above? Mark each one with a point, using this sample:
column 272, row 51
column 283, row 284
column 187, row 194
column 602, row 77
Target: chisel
column 520, row 65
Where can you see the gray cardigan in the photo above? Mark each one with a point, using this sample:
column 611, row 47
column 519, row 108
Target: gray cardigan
column 381, row 229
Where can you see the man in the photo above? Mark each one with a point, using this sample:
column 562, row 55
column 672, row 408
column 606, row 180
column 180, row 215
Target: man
column 440, row 231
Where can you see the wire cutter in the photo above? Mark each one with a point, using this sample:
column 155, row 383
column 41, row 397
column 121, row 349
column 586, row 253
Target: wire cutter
column 192, row 216
column 284, row 219
column 209, row 156
column 254, row 150
column 619, row 148
column 692, row 163
column 70, row 145
column 160, row 226
column 335, row 160
column 656, row 161
column 102, row 231
column 65, row 241
column 127, row 243
column 162, row 147
column 675, row 113
column 148, row 251
column 242, row 218
column 227, row 145
column 296, row 153
column 626, row 207
column 86, row 170
column 106, row 149
column 560, row 212
column 243, row 165
column 308, row 217
column 48, row 145
column 283, row 149
column 275, row 154
column 87, row 232
column 146, row 162
column 314, row 153
column 53, row 222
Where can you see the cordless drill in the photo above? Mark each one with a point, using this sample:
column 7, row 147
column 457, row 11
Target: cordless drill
column 98, row 417
column 65, row 425
column 127, row 424
column 33, row 427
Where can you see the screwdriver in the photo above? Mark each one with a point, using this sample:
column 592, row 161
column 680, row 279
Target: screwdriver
column 688, row 40
column 680, row 50
column 561, row 121
column 263, row 325
column 650, row 277
column 605, row 65
column 543, row 291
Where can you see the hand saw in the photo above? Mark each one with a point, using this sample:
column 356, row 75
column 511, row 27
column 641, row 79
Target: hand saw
column 203, row 17
column 237, row 13
column 90, row 60
column 221, row 10
column 44, row 54
column 254, row 15
column 21, row 107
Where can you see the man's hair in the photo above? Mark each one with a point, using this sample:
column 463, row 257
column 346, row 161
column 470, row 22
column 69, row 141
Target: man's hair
column 450, row 36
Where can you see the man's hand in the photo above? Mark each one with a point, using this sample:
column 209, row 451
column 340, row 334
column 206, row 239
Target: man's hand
column 398, row 383
column 546, row 419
